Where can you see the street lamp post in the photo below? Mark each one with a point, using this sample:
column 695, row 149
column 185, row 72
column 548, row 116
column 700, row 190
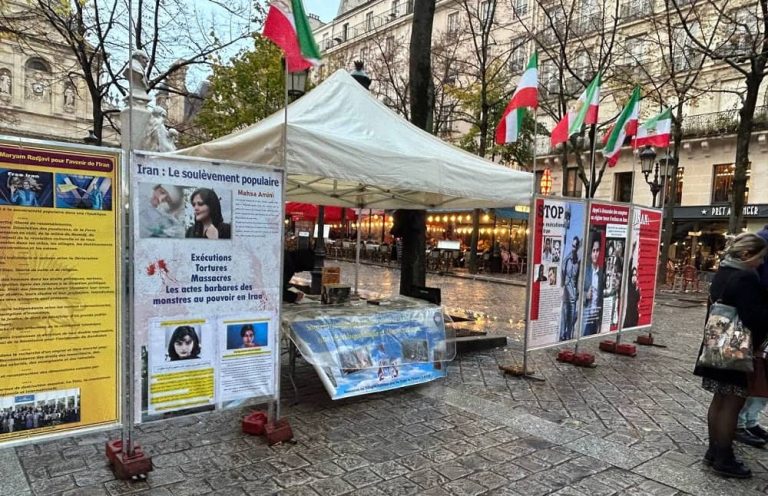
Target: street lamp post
column 648, row 164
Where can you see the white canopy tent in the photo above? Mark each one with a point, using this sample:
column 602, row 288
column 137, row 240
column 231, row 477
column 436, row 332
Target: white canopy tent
column 347, row 149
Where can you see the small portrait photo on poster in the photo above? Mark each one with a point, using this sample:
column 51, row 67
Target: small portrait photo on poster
column 556, row 250
column 23, row 412
column 552, row 276
column 208, row 214
column 247, row 335
column 161, row 210
column 183, row 342
column 354, row 360
column 541, row 275
column 415, row 350
column 26, row 188
column 85, row 192
column 546, row 252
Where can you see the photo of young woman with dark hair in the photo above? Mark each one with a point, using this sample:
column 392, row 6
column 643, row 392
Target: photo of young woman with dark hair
column 208, row 219
column 184, row 344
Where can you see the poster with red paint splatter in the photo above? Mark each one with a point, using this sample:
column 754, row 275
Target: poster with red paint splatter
column 643, row 267
column 206, row 251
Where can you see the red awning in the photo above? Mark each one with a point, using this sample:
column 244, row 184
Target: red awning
column 308, row 211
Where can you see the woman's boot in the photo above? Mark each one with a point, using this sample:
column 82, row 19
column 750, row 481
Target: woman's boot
column 726, row 464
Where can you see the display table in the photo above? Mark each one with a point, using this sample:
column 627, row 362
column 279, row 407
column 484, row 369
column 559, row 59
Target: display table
column 361, row 348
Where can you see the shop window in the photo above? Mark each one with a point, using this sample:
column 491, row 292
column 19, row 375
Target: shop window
column 722, row 183
column 622, row 187
column 572, row 183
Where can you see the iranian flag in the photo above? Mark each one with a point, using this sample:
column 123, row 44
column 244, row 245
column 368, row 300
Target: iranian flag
column 585, row 112
column 626, row 125
column 289, row 29
column 655, row 131
column 526, row 95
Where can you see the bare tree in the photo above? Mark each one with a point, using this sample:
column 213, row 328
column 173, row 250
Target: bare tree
column 741, row 33
column 174, row 35
column 663, row 61
column 576, row 40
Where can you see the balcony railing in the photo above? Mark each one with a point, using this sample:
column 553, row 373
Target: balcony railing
column 368, row 26
column 634, row 10
column 719, row 123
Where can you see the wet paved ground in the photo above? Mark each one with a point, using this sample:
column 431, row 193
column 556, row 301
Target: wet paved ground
column 629, row 426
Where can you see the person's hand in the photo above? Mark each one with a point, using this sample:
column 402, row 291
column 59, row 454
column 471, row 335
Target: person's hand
column 299, row 297
column 211, row 232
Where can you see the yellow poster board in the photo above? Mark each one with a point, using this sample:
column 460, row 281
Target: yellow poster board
column 59, row 289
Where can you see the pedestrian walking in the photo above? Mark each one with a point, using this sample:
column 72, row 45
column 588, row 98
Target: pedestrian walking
column 748, row 429
column 737, row 284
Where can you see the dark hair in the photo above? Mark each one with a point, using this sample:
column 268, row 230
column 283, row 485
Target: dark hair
column 211, row 200
column 180, row 333
column 246, row 328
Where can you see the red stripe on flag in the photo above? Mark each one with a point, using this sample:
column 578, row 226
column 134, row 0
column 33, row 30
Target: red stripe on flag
column 282, row 33
column 526, row 97
column 560, row 132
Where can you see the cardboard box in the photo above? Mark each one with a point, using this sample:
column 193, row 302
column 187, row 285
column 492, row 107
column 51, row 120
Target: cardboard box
column 331, row 275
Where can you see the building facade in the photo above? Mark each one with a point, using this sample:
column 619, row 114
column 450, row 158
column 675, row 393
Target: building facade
column 377, row 32
column 41, row 95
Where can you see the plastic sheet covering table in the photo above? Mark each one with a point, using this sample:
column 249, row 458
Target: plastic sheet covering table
column 362, row 348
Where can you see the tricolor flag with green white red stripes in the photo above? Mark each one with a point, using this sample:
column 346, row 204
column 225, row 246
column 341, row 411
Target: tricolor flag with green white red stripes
column 288, row 28
column 626, row 125
column 585, row 113
column 656, row 131
column 526, row 95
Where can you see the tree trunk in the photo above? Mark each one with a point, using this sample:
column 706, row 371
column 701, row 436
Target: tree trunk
column 473, row 241
column 411, row 224
column 669, row 209
column 743, row 137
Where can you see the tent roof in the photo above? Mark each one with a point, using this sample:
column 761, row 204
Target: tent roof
column 346, row 148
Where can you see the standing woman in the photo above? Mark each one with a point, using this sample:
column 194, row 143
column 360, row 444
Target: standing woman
column 209, row 223
column 736, row 283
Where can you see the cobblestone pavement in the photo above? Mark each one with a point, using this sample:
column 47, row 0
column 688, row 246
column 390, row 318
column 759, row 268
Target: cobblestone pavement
column 628, row 426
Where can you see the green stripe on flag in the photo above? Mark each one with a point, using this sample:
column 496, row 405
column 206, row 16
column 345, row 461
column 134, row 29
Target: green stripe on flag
column 304, row 32
column 621, row 122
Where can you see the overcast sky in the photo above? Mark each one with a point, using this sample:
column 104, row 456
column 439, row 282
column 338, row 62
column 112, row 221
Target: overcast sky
column 326, row 9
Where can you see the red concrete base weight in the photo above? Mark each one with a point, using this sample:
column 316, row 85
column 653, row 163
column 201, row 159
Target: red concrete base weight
column 583, row 359
column 113, row 447
column 278, row 432
column 608, row 346
column 626, row 349
column 565, row 356
column 578, row 359
column 645, row 340
column 129, row 467
column 254, row 423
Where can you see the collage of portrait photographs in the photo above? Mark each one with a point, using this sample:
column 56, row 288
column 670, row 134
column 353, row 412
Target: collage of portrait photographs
column 28, row 188
column 199, row 362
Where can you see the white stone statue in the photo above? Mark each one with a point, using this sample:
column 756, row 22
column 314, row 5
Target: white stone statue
column 157, row 138
column 69, row 98
column 5, row 84
column 136, row 74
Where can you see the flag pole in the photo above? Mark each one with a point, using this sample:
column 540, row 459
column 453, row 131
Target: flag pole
column 593, row 133
column 529, row 254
